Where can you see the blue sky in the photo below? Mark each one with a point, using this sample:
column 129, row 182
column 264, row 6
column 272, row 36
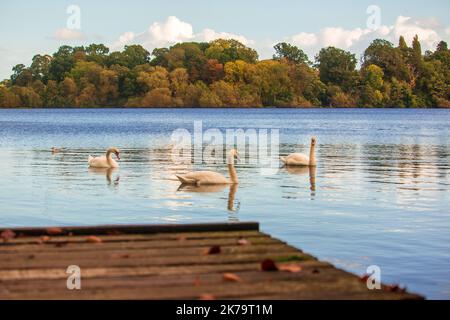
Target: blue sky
column 30, row 27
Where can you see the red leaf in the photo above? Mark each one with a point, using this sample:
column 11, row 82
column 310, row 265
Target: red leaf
column 182, row 238
column 113, row 232
column 7, row 235
column 231, row 277
column 197, row 282
column 54, row 231
column 61, row 244
column 364, row 278
column 45, row 238
column 93, row 239
column 206, row 296
column 213, row 250
column 292, row 267
column 243, row 242
column 394, row 288
column 268, row 265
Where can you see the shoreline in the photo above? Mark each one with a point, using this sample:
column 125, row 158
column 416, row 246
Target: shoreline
column 230, row 108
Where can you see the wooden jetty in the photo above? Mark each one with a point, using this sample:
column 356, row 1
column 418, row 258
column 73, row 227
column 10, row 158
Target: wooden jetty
column 195, row 261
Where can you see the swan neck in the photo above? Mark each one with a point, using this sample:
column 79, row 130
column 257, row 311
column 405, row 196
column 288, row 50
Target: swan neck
column 312, row 155
column 109, row 157
column 232, row 171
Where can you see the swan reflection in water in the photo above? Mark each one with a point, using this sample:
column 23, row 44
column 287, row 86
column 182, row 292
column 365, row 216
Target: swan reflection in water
column 302, row 171
column 107, row 172
column 213, row 188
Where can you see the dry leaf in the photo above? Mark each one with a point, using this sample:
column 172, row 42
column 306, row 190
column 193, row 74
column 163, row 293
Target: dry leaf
column 7, row 235
column 268, row 265
column 182, row 238
column 113, row 232
column 197, row 281
column 45, row 238
column 292, row 267
column 364, row 278
column 231, row 277
column 213, row 250
column 243, row 242
column 93, row 239
column 394, row 288
column 61, row 244
column 206, row 296
column 54, row 231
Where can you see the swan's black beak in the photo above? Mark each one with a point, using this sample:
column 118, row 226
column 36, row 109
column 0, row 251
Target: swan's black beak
column 118, row 156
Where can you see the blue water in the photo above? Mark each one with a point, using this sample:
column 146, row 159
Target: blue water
column 380, row 195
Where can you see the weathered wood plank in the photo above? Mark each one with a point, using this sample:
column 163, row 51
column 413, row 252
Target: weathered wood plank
column 143, row 229
column 169, row 262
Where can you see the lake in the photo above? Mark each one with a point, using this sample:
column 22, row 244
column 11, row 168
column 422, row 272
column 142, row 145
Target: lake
column 379, row 196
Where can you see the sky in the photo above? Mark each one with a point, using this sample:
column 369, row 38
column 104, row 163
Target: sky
column 31, row 27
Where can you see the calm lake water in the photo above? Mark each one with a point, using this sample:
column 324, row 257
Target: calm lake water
column 380, row 194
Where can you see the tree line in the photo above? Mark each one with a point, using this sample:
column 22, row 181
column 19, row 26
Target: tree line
column 226, row 73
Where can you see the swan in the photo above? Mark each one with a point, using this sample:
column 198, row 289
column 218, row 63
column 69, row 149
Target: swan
column 300, row 159
column 211, row 177
column 105, row 161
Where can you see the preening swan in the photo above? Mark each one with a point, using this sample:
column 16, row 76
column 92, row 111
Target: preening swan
column 300, row 159
column 211, row 177
column 105, row 161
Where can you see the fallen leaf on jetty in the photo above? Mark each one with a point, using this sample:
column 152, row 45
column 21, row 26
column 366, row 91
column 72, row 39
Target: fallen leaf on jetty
column 45, row 238
column 182, row 238
column 120, row 256
column 206, row 296
column 394, row 288
column 54, row 231
column 93, row 239
column 268, row 265
column 364, row 277
column 213, row 250
column 294, row 268
column 61, row 244
column 231, row 277
column 7, row 235
column 243, row 242
column 197, row 281
column 113, row 232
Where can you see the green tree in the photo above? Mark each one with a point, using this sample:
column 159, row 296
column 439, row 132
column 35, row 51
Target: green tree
column 230, row 50
column 292, row 53
column 337, row 67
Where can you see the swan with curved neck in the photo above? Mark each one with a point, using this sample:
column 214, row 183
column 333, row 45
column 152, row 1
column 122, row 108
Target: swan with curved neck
column 212, row 177
column 105, row 161
column 300, row 159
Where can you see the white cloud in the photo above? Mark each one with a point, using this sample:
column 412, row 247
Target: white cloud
column 125, row 38
column 210, row 35
column 430, row 32
column 69, row 34
column 172, row 31
column 409, row 27
column 339, row 37
column 305, row 39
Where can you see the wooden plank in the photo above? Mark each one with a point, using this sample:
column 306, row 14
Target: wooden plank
column 142, row 229
column 162, row 262
column 137, row 237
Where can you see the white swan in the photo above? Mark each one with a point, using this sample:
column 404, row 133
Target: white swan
column 211, row 177
column 105, row 161
column 300, row 159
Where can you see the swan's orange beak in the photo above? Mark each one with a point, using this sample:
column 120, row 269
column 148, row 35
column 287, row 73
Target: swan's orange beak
column 118, row 156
